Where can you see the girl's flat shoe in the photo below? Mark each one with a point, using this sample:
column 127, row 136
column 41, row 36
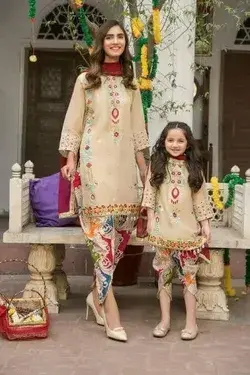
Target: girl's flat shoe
column 187, row 334
column 160, row 331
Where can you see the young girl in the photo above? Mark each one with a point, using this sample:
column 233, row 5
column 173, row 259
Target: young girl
column 178, row 219
column 105, row 125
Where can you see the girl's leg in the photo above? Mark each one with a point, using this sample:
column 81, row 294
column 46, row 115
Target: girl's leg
column 190, row 303
column 165, row 268
column 165, row 302
column 187, row 267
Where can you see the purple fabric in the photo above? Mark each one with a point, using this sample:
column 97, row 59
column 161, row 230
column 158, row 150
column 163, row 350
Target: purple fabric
column 44, row 202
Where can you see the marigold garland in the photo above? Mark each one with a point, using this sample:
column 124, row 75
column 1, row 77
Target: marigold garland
column 144, row 61
column 232, row 180
column 216, row 193
column 230, row 292
column 137, row 27
column 156, row 26
column 78, row 3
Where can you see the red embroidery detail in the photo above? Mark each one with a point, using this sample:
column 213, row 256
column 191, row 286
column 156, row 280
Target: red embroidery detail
column 116, row 134
column 175, row 193
column 115, row 113
column 89, row 165
column 77, row 180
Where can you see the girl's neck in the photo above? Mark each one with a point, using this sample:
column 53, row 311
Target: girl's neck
column 180, row 157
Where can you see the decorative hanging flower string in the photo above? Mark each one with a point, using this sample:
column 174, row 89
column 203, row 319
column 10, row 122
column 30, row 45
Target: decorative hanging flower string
column 137, row 27
column 216, row 193
column 87, row 36
column 230, row 292
column 78, row 3
column 156, row 22
column 232, row 180
column 32, row 17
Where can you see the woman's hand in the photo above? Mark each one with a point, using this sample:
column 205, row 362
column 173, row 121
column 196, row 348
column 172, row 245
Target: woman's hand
column 206, row 230
column 68, row 170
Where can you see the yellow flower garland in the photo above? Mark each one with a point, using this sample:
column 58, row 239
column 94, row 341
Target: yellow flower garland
column 216, row 193
column 137, row 27
column 78, row 3
column 145, row 84
column 144, row 61
column 230, row 292
column 157, row 26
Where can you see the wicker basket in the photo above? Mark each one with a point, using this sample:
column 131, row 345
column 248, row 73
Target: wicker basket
column 24, row 329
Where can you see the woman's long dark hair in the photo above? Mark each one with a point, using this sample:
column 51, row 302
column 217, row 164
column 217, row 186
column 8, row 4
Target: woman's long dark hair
column 160, row 157
column 98, row 55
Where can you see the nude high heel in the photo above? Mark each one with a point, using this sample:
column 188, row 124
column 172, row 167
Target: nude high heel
column 117, row 334
column 90, row 304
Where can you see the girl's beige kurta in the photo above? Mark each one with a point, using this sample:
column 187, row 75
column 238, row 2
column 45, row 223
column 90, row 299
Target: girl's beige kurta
column 178, row 211
column 107, row 126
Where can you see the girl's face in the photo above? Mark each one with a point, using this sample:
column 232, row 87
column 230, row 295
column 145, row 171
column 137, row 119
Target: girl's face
column 176, row 142
column 114, row 44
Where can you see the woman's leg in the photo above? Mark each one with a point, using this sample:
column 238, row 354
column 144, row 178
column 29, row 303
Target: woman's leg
column 122, row 233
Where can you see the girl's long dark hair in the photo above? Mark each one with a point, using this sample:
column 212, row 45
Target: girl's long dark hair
column 98, row 55
column 160, row 157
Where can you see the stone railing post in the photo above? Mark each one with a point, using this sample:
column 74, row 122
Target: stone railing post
column 28, row 170
column 211, row 298
column 236, row 171
column 15, row 200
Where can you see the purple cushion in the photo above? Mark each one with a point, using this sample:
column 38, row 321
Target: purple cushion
column 44, row 202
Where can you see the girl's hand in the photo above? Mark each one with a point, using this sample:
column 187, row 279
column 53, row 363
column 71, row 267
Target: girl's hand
column 206, row 230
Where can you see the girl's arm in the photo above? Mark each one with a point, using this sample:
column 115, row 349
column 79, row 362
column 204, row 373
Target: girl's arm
column 203, row 210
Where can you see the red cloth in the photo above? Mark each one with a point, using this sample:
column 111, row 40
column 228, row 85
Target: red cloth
column 112, row 69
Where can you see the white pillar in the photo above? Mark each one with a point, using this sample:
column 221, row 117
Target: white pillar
column 176, row 65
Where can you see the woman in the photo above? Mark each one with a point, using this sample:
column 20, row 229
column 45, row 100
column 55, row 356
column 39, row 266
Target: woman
column 105, row 124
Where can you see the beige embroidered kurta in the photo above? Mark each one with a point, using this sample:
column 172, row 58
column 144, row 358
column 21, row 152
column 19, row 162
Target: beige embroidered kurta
column 178, row 211
column 107, row 126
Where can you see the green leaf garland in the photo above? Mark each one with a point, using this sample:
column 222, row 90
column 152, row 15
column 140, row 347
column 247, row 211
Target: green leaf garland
column 85, row 28
column 32, row 9
column 232, row 180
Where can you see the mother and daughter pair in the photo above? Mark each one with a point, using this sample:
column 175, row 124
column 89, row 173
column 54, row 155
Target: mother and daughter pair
column 102, row 141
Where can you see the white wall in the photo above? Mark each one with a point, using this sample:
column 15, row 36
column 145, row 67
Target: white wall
column 14, row 35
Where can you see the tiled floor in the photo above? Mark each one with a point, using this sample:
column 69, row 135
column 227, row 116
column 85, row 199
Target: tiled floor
column 76, row 346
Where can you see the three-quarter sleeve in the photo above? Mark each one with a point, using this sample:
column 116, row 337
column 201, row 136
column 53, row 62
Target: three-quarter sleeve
column 72, row 130
column 202, row 208
column 149, row 194
column 138, row 123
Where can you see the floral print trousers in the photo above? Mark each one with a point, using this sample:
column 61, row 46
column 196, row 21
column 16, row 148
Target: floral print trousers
column 107, row 238
column 185, row 262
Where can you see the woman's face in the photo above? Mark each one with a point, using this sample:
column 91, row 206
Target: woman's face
column 114, row 44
